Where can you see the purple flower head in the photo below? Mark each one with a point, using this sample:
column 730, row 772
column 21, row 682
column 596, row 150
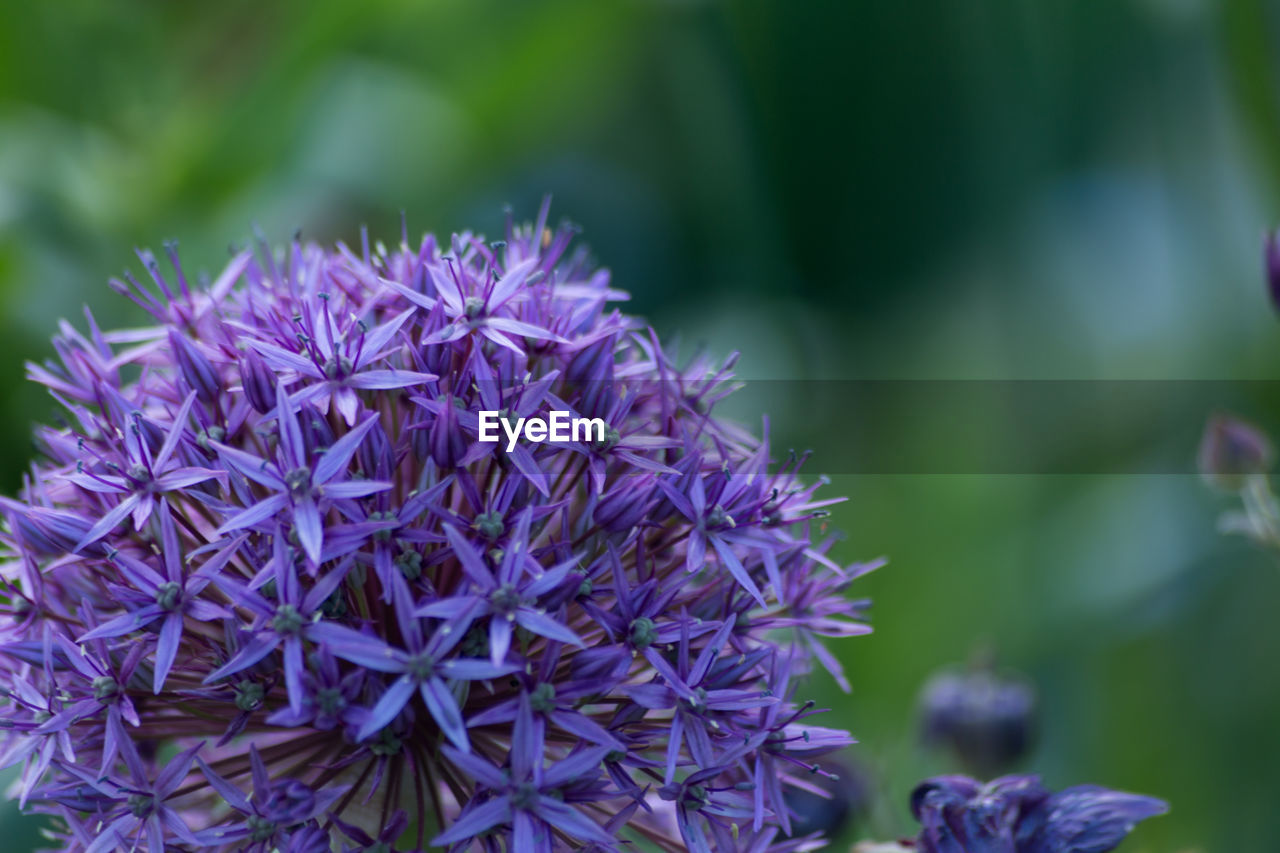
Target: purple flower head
column 1016, row 814
column 269, row 589
column 986, row 718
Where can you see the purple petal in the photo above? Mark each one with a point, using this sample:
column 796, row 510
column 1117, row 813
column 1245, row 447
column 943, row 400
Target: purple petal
column 735, row 567
column 528, row 330
column 291, row 445
column 474, row 822
column 108, row 522
column 252, row 652
column 377, row 338
column 230, row 793
column 336, row 459
column 499, row 639
column 444, row 709
column 470, row 560
column 181, row 478
column 540, row 623
column 572, row 821
column 306, row 518
column 388, row 707
column 358, row 648
column 255, row 514
column 175, row 432
column 346, row 401
column 386, row 380
column 474, row 669
column 253, row 467
column 167, row 649
column 125, row 623
column 477, row 768
column 178, row 768
column 355, row 489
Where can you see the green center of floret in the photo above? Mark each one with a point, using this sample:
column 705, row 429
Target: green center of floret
column 473, row 307
column 287, row 621
column 643, row 633
column 335, row 606
column 383, row 535
column 337, row 366
column 388, row 743
column 168, row 595
column 105, row 687
column 525, row 796
column 719, row 518
column 505, row 600
column 298, row 481
column 422, row 666
column 489, row 525
column 543, row 698
column 141, row 804
column 260, row 829
column 697, row 700
column 610, row 440
column 330, row 700
column 249, row 696
column 410, row 564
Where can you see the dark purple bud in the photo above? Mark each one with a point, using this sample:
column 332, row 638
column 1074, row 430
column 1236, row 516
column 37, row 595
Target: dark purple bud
column 316, row 431
column 200, row 374
column 448, row 444
column 259, row 382
column 312, row 838
column 624, row 506
column 1232, row 450
column 1271, row 264
column 289, row 802
column 376, row 455
column 49, row 531
column 986, row 719
column 591, row 375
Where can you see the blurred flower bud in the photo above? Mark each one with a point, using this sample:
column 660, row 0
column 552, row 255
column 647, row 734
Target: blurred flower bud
column 986, row 719
column 845, row 798
column 1231, row 450
column 1271, row 264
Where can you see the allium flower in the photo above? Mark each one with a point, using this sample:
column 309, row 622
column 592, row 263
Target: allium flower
column 266, row 589
column 1016, row 814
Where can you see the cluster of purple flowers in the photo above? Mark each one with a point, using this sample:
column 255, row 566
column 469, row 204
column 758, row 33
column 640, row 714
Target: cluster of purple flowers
column 265, row 590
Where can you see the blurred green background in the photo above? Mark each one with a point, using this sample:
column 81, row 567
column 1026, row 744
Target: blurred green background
column 868, row 189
